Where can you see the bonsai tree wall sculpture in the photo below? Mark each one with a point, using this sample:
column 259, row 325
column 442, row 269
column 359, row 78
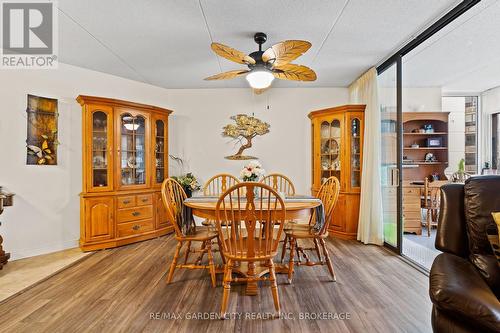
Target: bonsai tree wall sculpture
column 243, row 131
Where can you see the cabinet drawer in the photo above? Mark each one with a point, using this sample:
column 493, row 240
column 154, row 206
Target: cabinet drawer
column 144, row 199
column 135, row 227
column 134, row 214
column 412, row 191
column 413, row 207
column 412, row 216
column 126, row 201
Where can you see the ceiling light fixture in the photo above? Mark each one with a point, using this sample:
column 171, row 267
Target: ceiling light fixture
column 131, row 126
column 265, row 65
column 260, row 79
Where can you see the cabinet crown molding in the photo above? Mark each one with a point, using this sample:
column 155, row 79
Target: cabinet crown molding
column 84, row 99
column 340, row 108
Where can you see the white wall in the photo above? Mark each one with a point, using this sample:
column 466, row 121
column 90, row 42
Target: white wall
column 422, row 99
column 45, row 217
column 456, row 130
column 414, row 99
column 285, row 149
column 490, row 104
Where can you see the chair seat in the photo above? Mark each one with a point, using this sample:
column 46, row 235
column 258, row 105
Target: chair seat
column 304, row 234
column 201, row 234
column 260, row 250
column 297, row 226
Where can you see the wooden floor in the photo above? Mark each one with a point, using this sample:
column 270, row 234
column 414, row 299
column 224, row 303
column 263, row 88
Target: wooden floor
column 124, row 290
column 19, row 274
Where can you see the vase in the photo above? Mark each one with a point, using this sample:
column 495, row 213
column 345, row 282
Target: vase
column 189, row 192
column 255, row 189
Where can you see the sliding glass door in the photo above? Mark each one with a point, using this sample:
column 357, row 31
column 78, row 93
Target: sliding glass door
column 388, row 99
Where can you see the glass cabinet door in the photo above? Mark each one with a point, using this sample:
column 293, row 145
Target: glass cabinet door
column 331, row 149
column 133, row 146
column 355, row 152
column 100, row 153
column 160, row 150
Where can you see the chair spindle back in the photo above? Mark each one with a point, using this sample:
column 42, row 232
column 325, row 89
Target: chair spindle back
column 432, row 193
column 219, row 184
column 173, row 196
column 250, row 225
column 329, row 195
column 279, row 183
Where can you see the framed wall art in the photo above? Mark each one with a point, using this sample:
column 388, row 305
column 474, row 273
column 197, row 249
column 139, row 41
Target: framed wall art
column 41, row 141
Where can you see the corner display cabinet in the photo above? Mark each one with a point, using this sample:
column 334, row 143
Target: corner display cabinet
column 125, row 160
column 337, row 150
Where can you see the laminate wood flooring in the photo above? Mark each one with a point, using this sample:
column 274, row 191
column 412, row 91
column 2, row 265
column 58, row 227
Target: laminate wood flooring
column 124, row 290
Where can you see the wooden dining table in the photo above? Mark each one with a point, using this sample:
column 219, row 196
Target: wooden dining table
column 298, row 208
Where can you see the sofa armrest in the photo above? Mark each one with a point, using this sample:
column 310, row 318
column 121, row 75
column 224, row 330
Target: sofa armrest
column 458, row 289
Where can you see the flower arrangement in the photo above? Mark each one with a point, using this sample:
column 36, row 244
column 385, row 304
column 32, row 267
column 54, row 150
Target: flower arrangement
column 252, row 172
column 188, row 182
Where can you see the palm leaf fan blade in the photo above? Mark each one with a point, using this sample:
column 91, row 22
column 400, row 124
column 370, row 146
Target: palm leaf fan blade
column 285, row 52
column 227, row 75
column 232, row 54
column 294, row 73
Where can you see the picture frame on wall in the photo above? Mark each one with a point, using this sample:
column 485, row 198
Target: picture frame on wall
column 42, row 127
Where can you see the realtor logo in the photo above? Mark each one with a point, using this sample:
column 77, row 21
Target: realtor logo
column 29, row 34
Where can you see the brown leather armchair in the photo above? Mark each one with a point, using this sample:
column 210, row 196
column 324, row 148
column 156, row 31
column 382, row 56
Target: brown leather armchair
column 465, row 279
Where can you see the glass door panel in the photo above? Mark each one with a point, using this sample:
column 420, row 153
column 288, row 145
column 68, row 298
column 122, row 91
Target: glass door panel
column 387, row 87
column 355, row 153
column 133, row 149
column 330, row 149
column 100, row 151
column 160, row 139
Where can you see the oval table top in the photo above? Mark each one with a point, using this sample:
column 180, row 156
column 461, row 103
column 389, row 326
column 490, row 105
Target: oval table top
column 294, row 208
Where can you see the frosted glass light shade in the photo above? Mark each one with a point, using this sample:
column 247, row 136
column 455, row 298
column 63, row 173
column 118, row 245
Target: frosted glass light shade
column 260, row 79
column 131, row 127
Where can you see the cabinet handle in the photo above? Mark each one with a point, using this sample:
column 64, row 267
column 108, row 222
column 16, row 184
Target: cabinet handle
column 145, row 200
column 136, row 213
column 126, row 201
column 136, row 227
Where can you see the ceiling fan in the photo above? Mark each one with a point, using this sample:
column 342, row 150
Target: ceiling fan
column 264, row 66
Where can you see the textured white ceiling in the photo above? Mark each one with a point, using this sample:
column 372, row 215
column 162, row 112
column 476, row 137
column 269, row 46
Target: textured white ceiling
column 167, row 43
column 463, row 57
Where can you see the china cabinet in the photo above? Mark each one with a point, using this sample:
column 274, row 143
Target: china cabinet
column 125, row 160
column 337, row 150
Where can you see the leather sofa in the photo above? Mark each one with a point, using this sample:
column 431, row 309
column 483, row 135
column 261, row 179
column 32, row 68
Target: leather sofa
column 465, row 278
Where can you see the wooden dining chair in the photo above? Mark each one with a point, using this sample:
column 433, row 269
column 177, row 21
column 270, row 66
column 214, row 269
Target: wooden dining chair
column 431, row 200
column 217, row 185
column 279, row 183
column 328, row 194
column 173, row 197
column 250, row 228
